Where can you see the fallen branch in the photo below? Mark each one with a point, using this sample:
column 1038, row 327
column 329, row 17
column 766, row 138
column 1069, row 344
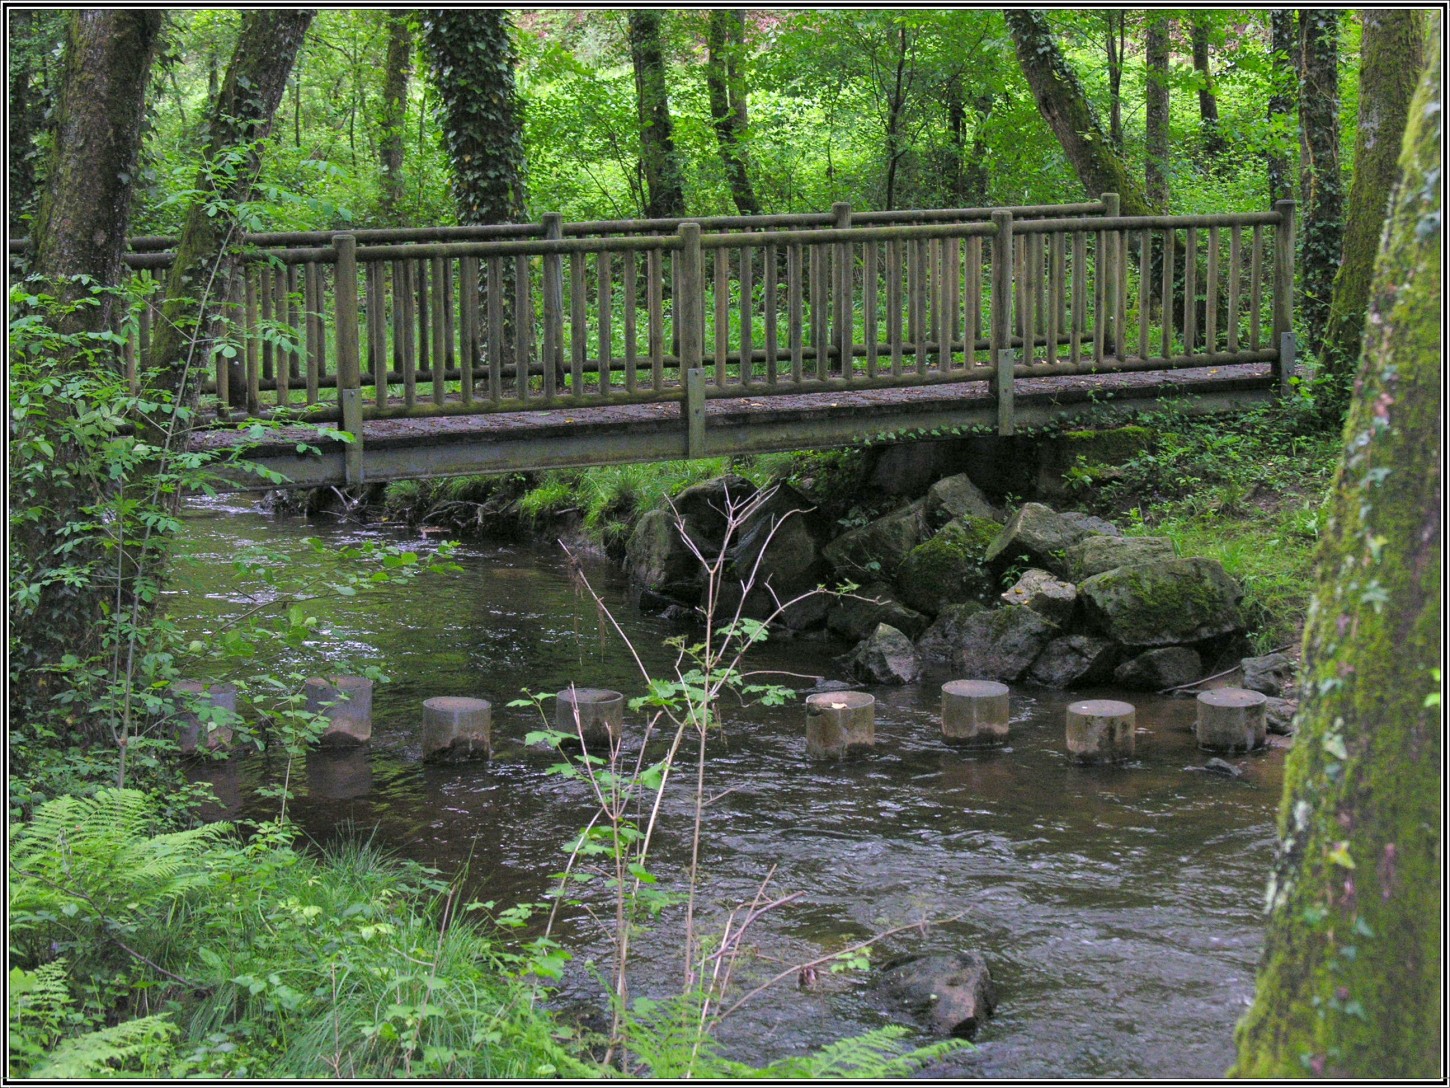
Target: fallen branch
column 1215, row 676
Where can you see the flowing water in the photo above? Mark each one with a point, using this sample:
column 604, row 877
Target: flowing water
column 1119, row 908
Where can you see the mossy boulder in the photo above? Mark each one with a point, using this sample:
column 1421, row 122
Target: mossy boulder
column 886, row 656
column 1003, row 643
column 878, row 548
column 856, row 616
column 950, row 566
column 704, row 507
column 1072, row 660
column 1165, row 667
column 1048, row 596
column 658, row 559
column 778, row 550
column 1272, row 674
column 956, row 497
column 1097, row 553
column 939, row 642
column 1165, row 603
column 1041, row 536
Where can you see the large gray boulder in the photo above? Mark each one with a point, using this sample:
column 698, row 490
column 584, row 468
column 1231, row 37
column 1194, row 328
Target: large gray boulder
column 956, row 497
column 658, row 559
column 1279, row 715
column 704, row 507
column 952, row 994
column 855, row 616
column 939, row 642
column 1097, row 553
column 1048, row 596
column 1073, row 660
column 877, row 549
column 1041, row 536
column 1272, row 674
column 1165, row 603
column 886, row 656
column 949, row 566
column 1165, row 667
column 778, row 547
column 1003, row 643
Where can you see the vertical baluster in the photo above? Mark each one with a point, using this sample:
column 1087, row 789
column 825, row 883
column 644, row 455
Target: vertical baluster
column 846, row 308
column 604, row 271
column 1054, row 296
column 1033, row 323
column 747, row 317
column 316, row 342
column 1079, row 295
column 1210, row 294
column 915, row 303
column 377, row 332
column 819, row 331
column 450, row 316
column 1235, row 258
column 869, row 293
column 772, row 330
column 254, row 372
column 400, row 288
column 722, row 314
column 439, row 321
column 935, row 269
column 578, row 322
column 893, row 302
column 1003, row 370
column 553, row 289
column 524, row 327
column 264, row 329
column 953, row 277
column 468, row 326
column 1039, row 289
column 631, row 320
column 1019, row 281
column 795, row 317
column 407, row 328
column 294, row 324
column 653, row 284
column 280, row 313
column 1120, row 293
column 1256, row 289
column 974, row 298
column 1169, row 243
column 496, row 339
column 1145, row 290
column 1190, row 293
column 423, row 341
column 1100, row 292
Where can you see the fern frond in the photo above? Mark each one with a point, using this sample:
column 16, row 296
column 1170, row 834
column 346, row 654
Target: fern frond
column 134, row 1046
column 877, row 1054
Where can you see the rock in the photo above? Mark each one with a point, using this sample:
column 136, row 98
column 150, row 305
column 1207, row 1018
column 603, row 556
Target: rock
column 955, row 497
column 853, row 618
column 1223, row 767
column 1279, row 715
column 1049, row 597
column 952, row 993
column 1072, row 660
column 823, row 686
column 658, row 559
column 1086, row 524
column 1154, row 670
column 949, row 567
column 1002, row 643
column 1164, row 603
column 1097, row 553
column 1040, row 536
column 886, row 656
column 940, row 641
column 779, row 543
column 703, row 507
column 1272, row 674
column 877, row 549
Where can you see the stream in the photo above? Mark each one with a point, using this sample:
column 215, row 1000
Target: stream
column 1119, row 908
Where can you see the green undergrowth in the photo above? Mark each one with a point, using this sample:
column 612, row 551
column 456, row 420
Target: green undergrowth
column 1247, row 490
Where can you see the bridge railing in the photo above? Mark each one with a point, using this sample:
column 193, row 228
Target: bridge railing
column 344, row 330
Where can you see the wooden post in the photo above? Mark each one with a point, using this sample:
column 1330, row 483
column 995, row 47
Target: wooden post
column 690, row 320
column 349, row 367
column 1002, row 319
column 553, row 308
column 1108, row 271
column 1284, row 290
column 841, row 212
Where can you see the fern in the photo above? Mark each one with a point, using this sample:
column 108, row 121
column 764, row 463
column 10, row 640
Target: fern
column 877, row 1055
column 39, row 1007
column 143, row 1047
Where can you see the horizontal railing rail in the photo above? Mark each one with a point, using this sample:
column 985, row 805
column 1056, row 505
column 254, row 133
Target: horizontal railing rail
column 367, row 325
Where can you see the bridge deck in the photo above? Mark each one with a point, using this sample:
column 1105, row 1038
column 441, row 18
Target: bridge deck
column 396, row 449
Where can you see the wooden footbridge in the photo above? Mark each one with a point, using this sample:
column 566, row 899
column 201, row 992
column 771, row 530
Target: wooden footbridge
column 444, row 351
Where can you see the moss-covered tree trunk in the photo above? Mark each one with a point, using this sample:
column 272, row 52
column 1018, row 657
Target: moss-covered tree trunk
column 1282, row 48
column 725, row 81
column 664, row 175
column 1155, row 56
column 1210, row 134
column 471, row 53
column 1391, row 55
column 1350, row 981
column 81, row 222
column 238, row 120
column 1065, row 107
column 1321, row 185
column 397, row 69
column 1115, row 27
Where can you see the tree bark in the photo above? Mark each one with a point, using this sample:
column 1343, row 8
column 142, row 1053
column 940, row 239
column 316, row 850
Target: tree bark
column 1391, row 58
column 663, row 173
column 1321, row 186
column 895, row 107
column 397, row 69
column 1155, row 169
column 977, row 172
column 473, row 64
column 31, row 35
column 1115, row 27
column 725, row 40
column 81, row 222
column 1210, row 135
column 239, row 120
column 1349, row 985
column 1282, row 50
column 1064, row 106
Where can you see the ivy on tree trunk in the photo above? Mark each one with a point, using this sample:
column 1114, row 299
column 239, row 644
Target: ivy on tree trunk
column 1282, row 49
column 397, row 69
column 1350, row 981
column 1155, row 170
column 725, row 41
column 1320, row 182
column 658, row 159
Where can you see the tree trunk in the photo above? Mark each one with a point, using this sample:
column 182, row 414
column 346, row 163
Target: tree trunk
column 1349, row 985
column 1210, row 135
column 1155, row 170
column 895, row 107
column 473, row 64
column 1391, row 57
column 977, row 173
column 664, row 176
column 1282, row 50
column 725, row 39
column 240, row 118
column 80, row 225
column 1115, row 22
column 30, row 35
column 1064, row 105
column 397, row 70
column 1321, row 186
column 953, row 166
